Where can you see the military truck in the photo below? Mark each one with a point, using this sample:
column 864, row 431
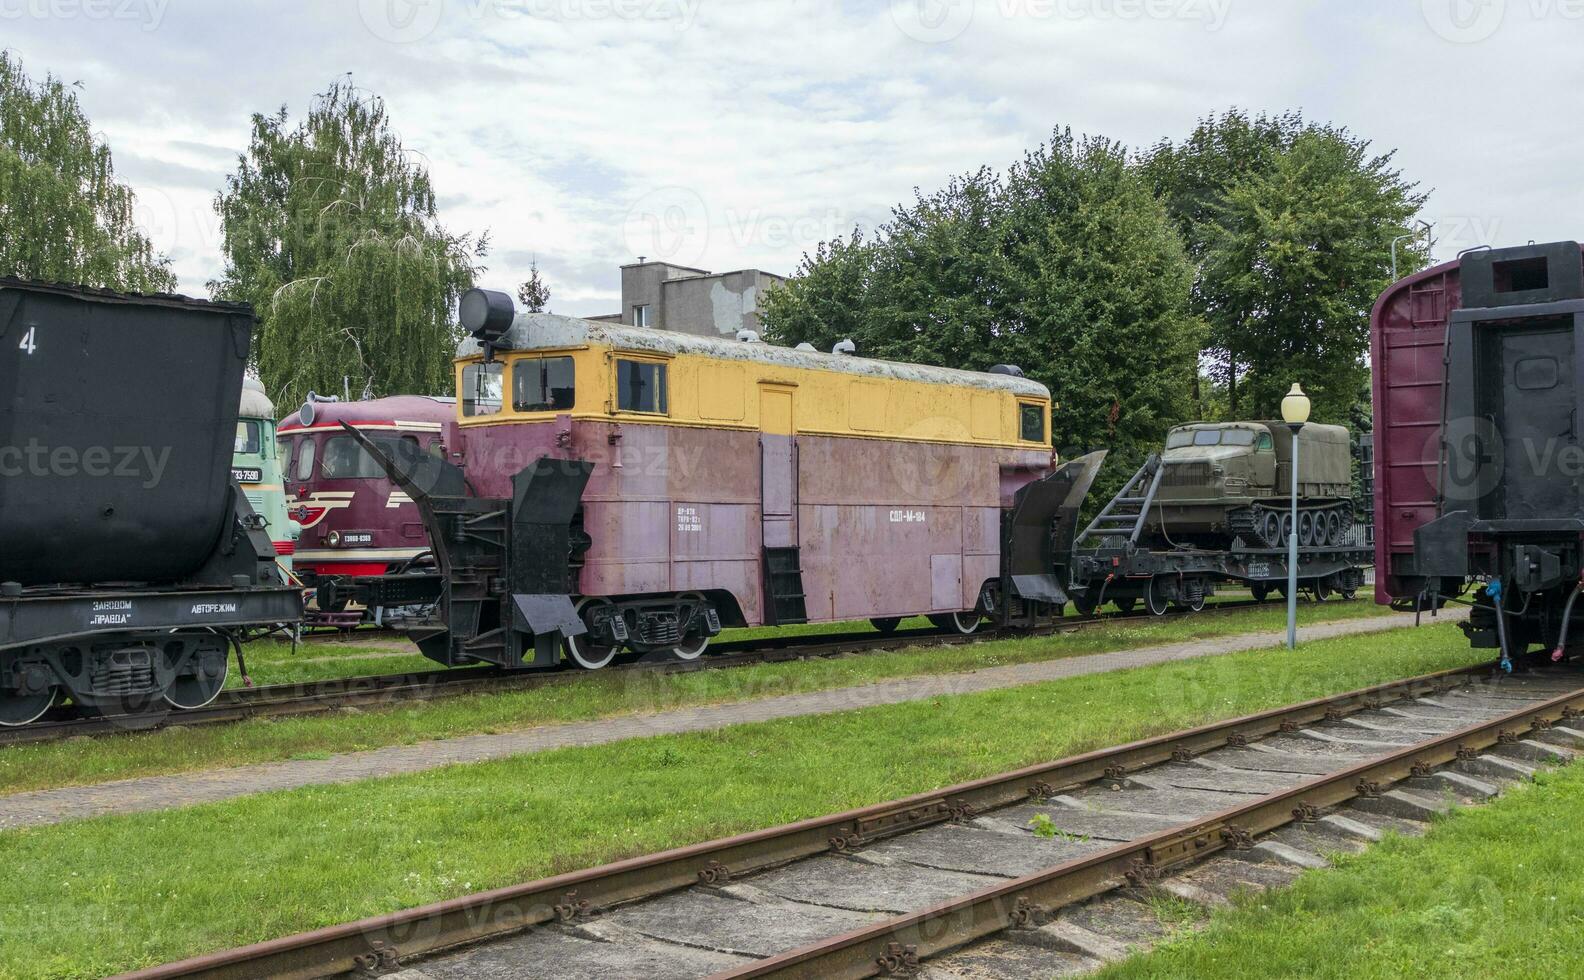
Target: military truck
column 1221, row 482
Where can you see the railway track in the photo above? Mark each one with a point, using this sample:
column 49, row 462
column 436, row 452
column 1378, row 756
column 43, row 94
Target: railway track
column 956, row 883
column 280, row 700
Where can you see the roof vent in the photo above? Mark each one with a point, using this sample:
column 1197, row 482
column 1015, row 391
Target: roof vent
column 748, row 336
column 1011, row 370
column 845, row 347
column 806, row 346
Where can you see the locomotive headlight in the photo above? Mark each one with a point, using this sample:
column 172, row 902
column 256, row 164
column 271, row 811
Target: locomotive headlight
column 333, row 539
column 487, row 314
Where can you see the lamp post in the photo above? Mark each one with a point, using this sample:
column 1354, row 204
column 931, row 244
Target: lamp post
column 1295, row 412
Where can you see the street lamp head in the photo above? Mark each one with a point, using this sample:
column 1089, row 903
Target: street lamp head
column 1295, row 407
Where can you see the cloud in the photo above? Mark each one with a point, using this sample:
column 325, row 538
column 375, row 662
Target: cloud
column 741, row 134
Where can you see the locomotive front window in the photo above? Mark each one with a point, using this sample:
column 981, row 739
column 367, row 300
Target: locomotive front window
column 1179, row 439
column 1031, row 423
column 482, row 386
column 344, row 459
column 544, row 385
column 1207, row 437
column 1237, row 437
column 248, row 438
column 305, row 457
column 640, row 387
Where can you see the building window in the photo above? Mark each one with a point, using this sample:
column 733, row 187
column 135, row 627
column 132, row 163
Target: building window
column 641, row 316
column 1031, row 423
column 544, row 385
column 481, row 389
column 641, row 387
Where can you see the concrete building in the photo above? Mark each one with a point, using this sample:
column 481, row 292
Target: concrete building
column 687, row 300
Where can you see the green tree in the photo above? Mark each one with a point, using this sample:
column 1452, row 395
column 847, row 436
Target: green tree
column 63, row 215
column 331, row 232
column 1067, row 266
column 534, row 293
column 1290, row 224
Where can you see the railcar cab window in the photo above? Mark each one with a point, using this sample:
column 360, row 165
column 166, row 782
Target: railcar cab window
column 545, row 384
column 248, row 439
column 1266, row 443
column 640, row 387
column 482, row 388
column 1031, row 423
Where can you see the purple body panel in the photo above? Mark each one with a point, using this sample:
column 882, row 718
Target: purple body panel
column 884, row 527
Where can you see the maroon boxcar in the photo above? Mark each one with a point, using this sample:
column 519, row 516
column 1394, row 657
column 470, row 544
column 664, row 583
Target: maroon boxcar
column 1408, row 349
column 355, row 521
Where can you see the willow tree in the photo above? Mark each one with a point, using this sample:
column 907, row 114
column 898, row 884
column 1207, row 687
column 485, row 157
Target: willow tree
column 331, row 232
column 63, row 215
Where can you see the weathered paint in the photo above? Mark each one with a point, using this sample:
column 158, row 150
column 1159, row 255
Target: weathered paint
column 883, row 525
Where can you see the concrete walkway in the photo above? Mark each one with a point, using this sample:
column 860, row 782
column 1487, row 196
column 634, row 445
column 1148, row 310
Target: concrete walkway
column 164, row 792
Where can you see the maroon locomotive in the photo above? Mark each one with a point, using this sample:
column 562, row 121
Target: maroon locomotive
column 609, row 488
column 354, row 520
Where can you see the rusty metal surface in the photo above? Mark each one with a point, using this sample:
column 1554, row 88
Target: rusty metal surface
column 432, row 928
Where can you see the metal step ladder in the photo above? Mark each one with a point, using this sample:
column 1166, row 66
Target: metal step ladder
column 1127, row 511
column 784, row 586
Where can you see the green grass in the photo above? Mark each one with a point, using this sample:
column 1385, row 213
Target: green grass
column 582, row 698
column 119, row 892
column 1491, row 891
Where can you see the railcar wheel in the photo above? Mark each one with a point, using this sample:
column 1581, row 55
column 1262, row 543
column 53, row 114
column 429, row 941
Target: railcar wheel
column 1085, row 603
column 1155, row 597
column 1260, row 591
column 203, row 685
column 1125, row 605
column 886, row 624
column 580, row 650
column 17, row 710
column 691, row 648
column 961, row 624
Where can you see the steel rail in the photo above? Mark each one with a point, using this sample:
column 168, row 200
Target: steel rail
column 897, row 944
column 387, row 940
column 316, row 697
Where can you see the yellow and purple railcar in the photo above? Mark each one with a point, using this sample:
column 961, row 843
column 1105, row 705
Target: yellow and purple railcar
column 613, row 488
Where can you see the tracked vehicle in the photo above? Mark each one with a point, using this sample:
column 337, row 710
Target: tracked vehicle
column 1223, row 483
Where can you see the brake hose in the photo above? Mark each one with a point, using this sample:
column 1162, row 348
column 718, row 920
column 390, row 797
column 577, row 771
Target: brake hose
column 1567, row 615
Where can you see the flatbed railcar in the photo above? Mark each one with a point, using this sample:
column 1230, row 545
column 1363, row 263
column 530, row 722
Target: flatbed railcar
column 1205, row 512
column 611, row 489
column 130, row 560
column 1477, row 457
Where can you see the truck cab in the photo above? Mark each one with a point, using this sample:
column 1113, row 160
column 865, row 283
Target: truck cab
column 1219, row 461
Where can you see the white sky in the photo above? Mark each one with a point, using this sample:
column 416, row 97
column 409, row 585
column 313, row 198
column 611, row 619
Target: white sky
column 736, row 133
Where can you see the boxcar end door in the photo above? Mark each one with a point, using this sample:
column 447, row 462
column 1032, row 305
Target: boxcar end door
column 1537, row 420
